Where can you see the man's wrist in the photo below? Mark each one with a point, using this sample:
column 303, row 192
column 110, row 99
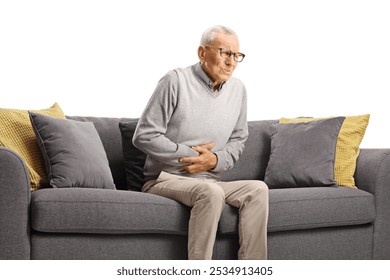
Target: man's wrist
column 216, row 161
column 220, row 162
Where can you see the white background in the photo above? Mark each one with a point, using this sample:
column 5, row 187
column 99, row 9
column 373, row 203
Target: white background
column 281, row 270
column 104, row 58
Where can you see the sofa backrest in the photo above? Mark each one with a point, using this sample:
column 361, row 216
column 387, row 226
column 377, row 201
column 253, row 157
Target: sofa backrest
column 254, row 160
column 251, row 165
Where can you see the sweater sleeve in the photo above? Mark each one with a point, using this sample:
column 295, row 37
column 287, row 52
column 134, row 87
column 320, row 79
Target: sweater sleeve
column 231, row 152
column 149, row 135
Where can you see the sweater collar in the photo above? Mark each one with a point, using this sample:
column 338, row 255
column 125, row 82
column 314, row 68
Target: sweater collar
column 205, row 78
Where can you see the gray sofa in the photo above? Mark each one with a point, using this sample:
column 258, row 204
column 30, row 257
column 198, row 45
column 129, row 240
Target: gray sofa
column 84, row 223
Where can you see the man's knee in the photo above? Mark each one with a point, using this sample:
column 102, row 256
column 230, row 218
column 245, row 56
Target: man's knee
column 257, row 186
column 258, row 190
column 211, row 191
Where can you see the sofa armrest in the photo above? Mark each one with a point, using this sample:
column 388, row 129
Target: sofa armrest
column 14, row 206
column 373, row 175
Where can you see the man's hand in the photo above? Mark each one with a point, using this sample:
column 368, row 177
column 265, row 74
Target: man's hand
column 206, row 159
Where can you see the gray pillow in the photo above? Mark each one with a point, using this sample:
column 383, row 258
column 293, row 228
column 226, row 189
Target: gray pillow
column 73, row 153
column 303, row 154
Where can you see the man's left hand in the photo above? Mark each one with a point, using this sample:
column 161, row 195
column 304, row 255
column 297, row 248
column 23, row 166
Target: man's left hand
column 206, row 159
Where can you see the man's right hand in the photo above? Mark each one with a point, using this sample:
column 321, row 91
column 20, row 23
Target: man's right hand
column 205, row 161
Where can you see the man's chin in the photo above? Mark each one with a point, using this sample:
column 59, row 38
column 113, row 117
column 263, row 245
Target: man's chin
column 225, row 76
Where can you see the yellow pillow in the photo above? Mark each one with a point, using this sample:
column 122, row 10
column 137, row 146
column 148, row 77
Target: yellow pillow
column 16, row 133
column 347, row 147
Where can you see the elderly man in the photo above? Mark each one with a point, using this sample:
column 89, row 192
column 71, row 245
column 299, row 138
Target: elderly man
column 194, row 129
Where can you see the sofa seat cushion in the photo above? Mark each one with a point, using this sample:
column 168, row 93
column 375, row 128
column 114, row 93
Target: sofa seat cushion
column 307, row 208
column 121, row 212
column 106, row 211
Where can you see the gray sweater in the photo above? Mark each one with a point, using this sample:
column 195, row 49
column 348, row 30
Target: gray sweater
column 184, row 112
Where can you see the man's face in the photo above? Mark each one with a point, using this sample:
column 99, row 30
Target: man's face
column 217, row 68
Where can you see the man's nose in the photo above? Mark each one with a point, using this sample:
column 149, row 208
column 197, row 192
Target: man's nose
column 230, row 60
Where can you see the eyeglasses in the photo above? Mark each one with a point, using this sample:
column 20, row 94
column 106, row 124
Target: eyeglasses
column 225, row 54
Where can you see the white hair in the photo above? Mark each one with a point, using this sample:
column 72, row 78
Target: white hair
column 209, row 35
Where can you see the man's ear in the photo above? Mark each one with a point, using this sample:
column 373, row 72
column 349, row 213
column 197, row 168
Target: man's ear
column 201, row 53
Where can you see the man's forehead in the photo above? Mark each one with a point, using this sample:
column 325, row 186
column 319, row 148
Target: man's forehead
column 226, row 40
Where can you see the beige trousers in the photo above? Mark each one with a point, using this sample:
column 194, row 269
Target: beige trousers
column 207, row 199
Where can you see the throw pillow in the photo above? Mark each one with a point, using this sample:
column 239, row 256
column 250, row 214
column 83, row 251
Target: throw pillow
column 16, row 133
column 134, row 159
column 73, row 153
column 303, row 154
column 347, row 149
